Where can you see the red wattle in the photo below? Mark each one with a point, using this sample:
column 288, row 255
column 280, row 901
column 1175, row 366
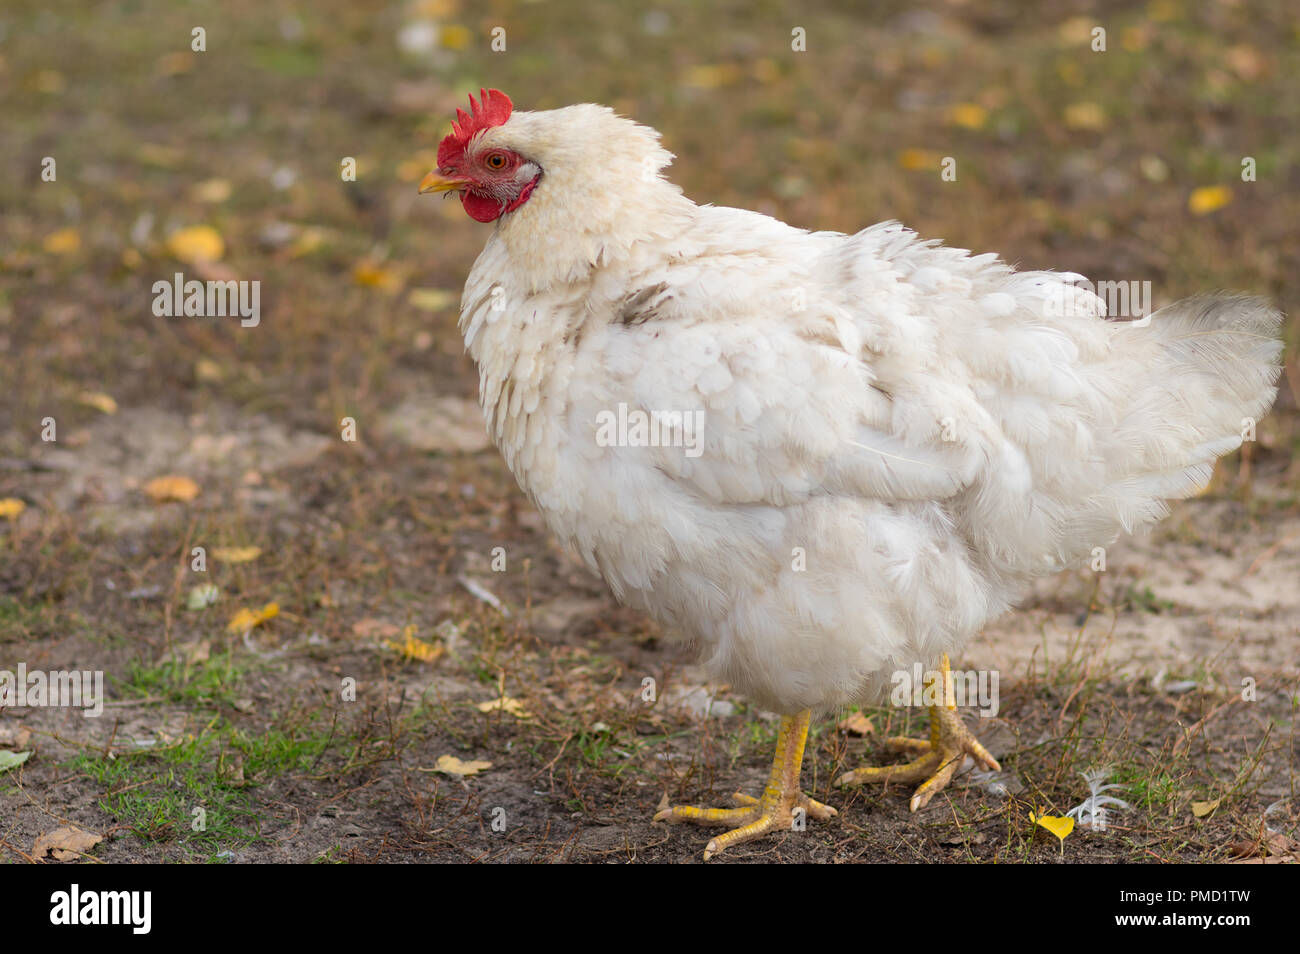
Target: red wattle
column 481, row 208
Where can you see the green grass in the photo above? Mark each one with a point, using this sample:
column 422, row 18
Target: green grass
column 215, row 682
column 197, row 792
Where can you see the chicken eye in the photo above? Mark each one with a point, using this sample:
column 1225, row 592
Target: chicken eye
column 496, row 161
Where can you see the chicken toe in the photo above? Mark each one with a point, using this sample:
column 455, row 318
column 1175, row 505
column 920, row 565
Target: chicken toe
column 782, row 806
column 938, row 759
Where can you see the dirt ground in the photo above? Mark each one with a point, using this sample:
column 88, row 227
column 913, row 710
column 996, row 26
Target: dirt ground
column 328, row 728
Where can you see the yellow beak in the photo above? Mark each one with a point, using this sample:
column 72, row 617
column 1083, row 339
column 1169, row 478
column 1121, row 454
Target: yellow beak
column 436, row 182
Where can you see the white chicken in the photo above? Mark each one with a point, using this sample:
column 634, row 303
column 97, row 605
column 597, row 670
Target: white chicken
column 821, row 458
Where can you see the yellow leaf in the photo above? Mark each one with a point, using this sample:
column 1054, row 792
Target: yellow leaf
column 434, row 9
column 212, row 190
column 171, row 487
column 968, row 115
column 1058, row 826
column 432, row 299
column 309, row 240
column 711, row 76
column 1208, row 199
column 373, row 275
column 1076, row 30
column 246, row 619
column 1085, row 116
column 1205, row 809
column 453, row 36
column 62, row 242
column 413, row 649
column 100, row 402
column 131, row 258
column 919, row 159
column 205, row 369
column 196, row 244
column 504, row 704
column 237, row 554
column 450, row 765
column 11, row 507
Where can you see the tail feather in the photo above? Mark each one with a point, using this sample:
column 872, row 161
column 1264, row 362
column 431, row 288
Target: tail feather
column 1190, row 384
column 1210, row 366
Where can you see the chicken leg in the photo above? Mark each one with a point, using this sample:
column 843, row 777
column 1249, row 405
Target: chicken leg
column 950, row 742
column 775, row 810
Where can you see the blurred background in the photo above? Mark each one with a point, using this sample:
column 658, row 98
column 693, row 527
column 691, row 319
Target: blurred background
column 128, row 156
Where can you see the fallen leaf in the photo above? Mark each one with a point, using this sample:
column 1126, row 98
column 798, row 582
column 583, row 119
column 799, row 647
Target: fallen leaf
column 1208, row 199
column 1085, row 116
column 237, row 554
column 62, row 242
column 10, row 760
column 1058, row 826
column 205, row 369
column 857, row 724
column 14, row 737
column 373, row 275
column 919, row 159
column 450, row 765
column 1277, row 848
column 198, row 243
column 212, row 190
column 171, row 487
column 1076, row 30
column 504, row 704
column 968, row 115
column 11, row 507
column 711, row 76
column 309, row 240
column 1205, row 809
column 99, row 401
column 246, row 619
column 413, row 649
column 453, row 36
column 65, row 844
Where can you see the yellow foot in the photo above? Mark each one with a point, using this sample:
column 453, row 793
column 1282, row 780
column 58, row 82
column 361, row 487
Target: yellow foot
column 775, row 811
column 949, row 744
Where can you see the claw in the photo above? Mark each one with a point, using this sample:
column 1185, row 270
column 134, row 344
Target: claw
column 755, row 817
column 945, row 751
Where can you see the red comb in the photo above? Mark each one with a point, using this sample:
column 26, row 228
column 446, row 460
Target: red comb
column 492, row 109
